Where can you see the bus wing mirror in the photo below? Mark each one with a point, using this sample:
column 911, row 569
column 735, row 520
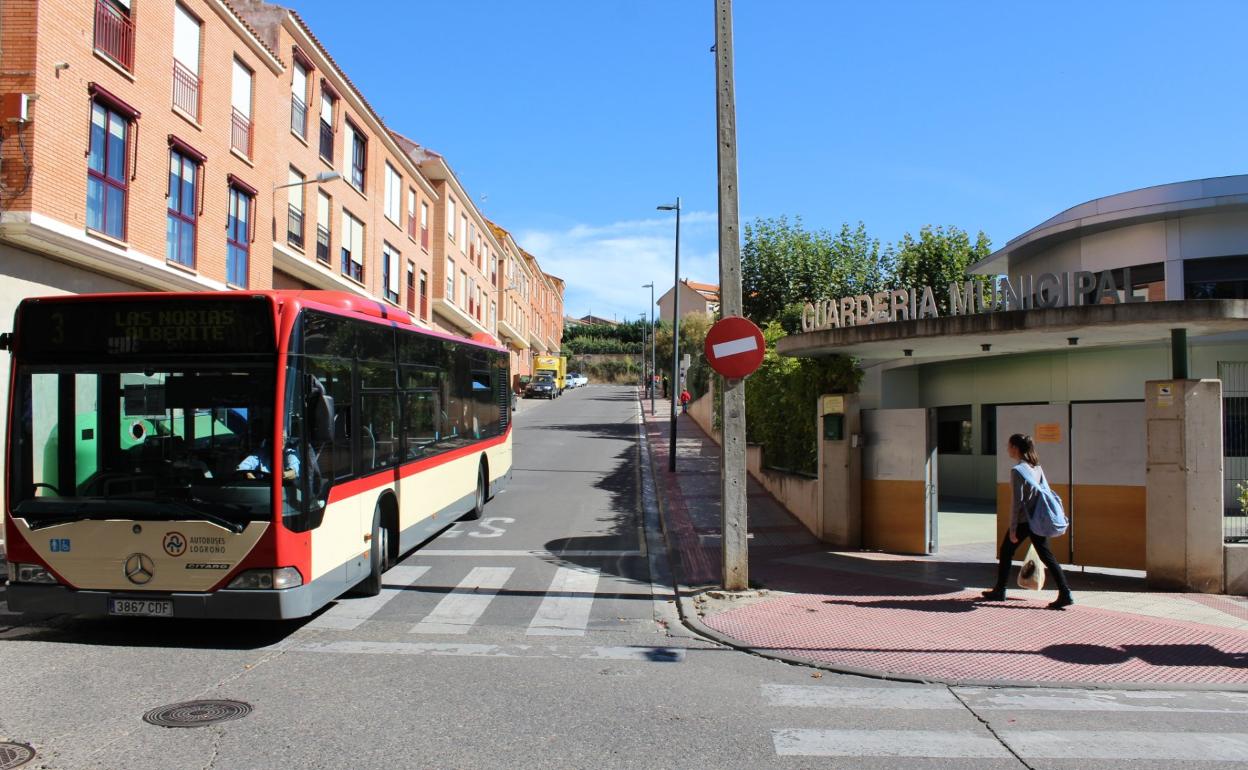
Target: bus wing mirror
column 321, row 418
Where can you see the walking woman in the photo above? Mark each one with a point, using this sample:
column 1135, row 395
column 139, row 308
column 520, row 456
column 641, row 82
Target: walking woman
column 1024, row 495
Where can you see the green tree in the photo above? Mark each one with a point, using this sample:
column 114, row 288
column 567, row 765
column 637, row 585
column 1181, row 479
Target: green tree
column 693, row 329
column 937, row 258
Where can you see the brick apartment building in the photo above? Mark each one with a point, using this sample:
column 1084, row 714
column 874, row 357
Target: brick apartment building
column 515, row 303
column 209, row 145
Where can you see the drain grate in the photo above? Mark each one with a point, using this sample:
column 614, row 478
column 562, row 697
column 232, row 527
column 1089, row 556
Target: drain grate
column 14, row 755
column 197, row 713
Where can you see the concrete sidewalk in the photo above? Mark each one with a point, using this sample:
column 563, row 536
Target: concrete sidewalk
column 919, row 618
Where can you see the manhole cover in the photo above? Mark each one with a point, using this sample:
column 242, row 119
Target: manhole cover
column 14, row 755
column 197, row 713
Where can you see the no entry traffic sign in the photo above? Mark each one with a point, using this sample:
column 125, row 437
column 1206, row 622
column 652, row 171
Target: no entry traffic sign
column 734, row 347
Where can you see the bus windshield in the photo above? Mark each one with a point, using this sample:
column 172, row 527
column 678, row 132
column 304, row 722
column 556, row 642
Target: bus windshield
column 167, row 441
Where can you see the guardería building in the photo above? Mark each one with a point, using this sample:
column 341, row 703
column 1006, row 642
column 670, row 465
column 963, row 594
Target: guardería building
column 1115, row 333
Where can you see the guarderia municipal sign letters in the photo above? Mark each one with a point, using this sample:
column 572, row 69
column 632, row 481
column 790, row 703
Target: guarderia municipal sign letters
column 1001, row 293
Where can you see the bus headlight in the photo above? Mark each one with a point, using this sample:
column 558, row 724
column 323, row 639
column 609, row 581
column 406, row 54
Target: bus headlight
column 30, row 573
column 283, row 577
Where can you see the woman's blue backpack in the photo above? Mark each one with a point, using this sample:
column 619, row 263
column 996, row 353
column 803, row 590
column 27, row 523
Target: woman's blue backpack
column 1047, row 518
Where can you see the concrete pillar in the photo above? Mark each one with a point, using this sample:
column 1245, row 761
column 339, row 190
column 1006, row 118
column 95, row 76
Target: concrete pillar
column 840, row 470
column 1184, row 485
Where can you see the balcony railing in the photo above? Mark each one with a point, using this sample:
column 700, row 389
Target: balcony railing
column 114, row 33
column 411, row 226
column 424, row 305
column 424, row 237
column 327, row 141
column 240, row 134
column 322, row 244
column 298, row 117
column 294, row 227
column 185, row 89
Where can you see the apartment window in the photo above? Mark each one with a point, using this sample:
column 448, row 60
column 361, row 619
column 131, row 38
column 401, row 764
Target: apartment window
column 424, row 225
column 494, row 272
column 240, row 133
column 474, row 245
column 450, row 279
column 463, row 283
column 186, row 33
column 471, row 295
column 493, row 316
column 356, row 153
column 322, row 226
column 328, row 102
column 108, row 171
column 182, row 218
column 463, row 232
column 238, row 236
column 411, row 287
column 450, row 218
column 390, row 261
column 114, row 31
column 479, row 301
column 394, row 195
column 352, row 247
column 411, row 213
column 294, row 208
column 424, row 294
column 298, row 100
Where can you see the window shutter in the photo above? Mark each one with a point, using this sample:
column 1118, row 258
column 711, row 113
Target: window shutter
column 242, row 89
column 186, row 39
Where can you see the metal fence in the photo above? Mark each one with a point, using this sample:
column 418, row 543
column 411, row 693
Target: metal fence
column 1234, row 376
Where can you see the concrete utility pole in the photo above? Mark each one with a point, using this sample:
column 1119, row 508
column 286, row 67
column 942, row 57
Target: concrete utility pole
column 734, row 523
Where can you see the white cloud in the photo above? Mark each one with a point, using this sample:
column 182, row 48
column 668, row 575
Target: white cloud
column 604, row 265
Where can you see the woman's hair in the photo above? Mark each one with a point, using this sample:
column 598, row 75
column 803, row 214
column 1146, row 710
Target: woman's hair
column 1026, row 448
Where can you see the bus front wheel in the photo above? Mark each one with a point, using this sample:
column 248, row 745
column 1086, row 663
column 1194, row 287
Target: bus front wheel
column 478, row 500
column 379, row 557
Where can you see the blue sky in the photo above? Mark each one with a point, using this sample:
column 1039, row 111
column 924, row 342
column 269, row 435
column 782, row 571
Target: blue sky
column 570, row 120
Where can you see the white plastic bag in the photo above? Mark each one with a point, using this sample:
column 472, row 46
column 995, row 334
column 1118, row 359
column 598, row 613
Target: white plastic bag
column 1031, row 576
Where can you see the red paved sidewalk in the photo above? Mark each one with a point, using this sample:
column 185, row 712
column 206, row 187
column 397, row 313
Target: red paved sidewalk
column 917, row 618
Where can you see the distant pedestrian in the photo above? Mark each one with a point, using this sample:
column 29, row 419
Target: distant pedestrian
column 1025, row 478
column 665, row 386
column 685, row 398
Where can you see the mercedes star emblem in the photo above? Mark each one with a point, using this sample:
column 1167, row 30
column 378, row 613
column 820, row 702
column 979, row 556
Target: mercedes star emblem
column 139, row 568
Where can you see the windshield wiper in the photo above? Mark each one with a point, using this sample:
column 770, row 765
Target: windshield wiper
column 209, row 510
column 65, row 512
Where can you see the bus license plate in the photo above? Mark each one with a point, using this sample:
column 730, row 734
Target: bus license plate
column 144, row 607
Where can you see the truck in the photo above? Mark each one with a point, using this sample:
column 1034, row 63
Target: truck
column 555, row 366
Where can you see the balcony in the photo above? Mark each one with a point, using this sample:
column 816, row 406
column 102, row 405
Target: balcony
column 294, row 228
column 298, row 117
column 114, row 33
column 240, row 133
column 186, row 90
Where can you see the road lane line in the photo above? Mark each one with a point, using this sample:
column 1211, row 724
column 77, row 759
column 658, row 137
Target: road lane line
column 1136, row 701
column 944, row 744
column 565, row 610
column 902, row 698
column 503, row 553
column 350, row 613
column 1123, row 745
column 462, row 608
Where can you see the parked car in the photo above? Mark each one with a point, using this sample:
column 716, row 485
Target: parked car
column 577, row 380
column 542, row 386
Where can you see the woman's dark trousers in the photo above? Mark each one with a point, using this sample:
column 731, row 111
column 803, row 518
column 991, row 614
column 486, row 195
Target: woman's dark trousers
column 1008, row 549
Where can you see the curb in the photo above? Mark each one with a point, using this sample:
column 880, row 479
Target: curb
column 689, row 616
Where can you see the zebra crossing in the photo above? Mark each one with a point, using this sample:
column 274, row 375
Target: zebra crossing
column 564, row 609
column 1009, row 724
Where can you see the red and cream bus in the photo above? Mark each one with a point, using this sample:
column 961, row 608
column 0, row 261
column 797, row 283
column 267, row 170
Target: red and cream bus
column 237, row 454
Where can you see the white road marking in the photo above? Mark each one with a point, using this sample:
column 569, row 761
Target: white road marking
column 565, row 610
column 539, row 553
column 905, row 698
column 350, row 613
column 1123, row 745
column 945, row 744
column 1159, row 701
column 466, row 650
column 462, row 608
column 733, row 347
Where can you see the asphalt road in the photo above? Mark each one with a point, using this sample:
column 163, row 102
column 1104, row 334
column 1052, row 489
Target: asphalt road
column 536, row 638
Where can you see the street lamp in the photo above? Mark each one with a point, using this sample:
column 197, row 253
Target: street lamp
column 653, row 337
column 642, row 356
column 671, row 459
column 321, row 178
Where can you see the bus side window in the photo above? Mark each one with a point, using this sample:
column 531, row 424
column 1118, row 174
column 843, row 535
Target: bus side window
column 334, row 374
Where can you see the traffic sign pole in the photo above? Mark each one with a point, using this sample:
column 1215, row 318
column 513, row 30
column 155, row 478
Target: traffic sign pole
column 733, row 524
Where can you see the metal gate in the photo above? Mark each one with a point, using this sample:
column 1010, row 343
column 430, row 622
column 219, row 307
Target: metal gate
column 1234, row 376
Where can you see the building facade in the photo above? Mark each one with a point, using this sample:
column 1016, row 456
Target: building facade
column 695, row 299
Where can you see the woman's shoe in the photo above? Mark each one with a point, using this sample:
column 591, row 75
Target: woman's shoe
column 1062, row 602
column 993, row 595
